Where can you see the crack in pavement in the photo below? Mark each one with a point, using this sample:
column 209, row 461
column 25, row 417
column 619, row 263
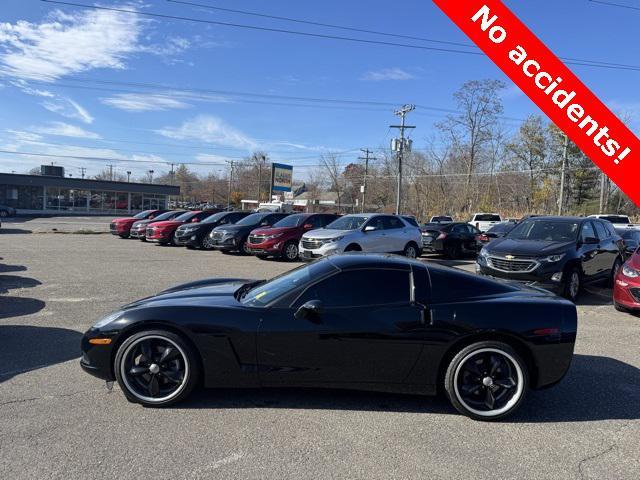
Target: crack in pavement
column 46, row 397
column 594, row 457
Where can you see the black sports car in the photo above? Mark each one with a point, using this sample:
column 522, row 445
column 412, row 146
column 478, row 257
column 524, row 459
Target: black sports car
column 357, row 321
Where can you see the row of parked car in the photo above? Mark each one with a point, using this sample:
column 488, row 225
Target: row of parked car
column 275, row 234
column 560, row 253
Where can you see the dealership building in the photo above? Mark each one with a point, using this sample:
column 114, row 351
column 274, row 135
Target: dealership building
column 33, row 194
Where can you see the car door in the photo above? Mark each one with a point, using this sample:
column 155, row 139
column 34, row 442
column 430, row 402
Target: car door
column 373, row 240
column 608, row 251
column 589, row 252
column 471, row 239
column 395, row 234
column 367, row 331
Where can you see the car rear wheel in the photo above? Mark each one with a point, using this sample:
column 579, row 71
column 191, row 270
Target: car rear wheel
column 156, row 368
column 486, row 381
column 290, row 252
column 572, row 284
column 411, row 250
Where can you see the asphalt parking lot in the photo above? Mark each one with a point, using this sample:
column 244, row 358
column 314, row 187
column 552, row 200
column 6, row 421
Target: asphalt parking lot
column 58, row 422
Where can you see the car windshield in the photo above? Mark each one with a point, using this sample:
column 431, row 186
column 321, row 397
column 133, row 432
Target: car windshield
column 185, row 217
column 214, row 218
column 252, row 219
column 488, row 218
column 616, row 218
column 144, row 214
column 347, row 223
column 264, row 293
column 165, row 216
column 545, row 230
column 291, row 221
column 631, row 235
column 441, row 219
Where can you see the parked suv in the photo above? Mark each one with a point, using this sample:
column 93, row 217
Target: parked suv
column 139, row 228
column 452, row 239
column 374, row 232
column 230, row 238
column 163, row 232
column 122, row 226
column 282, row 239
column 558, row 253
column 484, row 221
column 196, row 235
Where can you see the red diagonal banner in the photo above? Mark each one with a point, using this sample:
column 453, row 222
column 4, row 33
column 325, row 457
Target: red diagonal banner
column 552, row 87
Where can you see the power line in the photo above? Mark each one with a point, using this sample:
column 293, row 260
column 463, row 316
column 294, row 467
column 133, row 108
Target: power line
column 613, row 4
column 361, row 30
column 587, row 63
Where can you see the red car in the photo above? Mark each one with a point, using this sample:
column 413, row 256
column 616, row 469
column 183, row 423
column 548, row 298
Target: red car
column 163, row 232
column 626, row 288
column 122, row 226
column 281, row 240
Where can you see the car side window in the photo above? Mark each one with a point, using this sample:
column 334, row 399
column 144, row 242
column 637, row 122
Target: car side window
column 358, row 288
column 601, row 231
column 391, row 223
column 316, row 220
column 611, row 229
column 587, row 231
column 377, row 222
column 459, row 229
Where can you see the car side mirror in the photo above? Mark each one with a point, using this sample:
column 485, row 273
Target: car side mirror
column 307, row 225
column 590, row 241
column 195, row 220
column 311, row 310
column 369, row 228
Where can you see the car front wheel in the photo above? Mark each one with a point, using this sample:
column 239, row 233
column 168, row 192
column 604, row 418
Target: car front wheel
column 411, row 250
column 572, row 284
column 290, row 252
column 156, row 368
column 486, row 381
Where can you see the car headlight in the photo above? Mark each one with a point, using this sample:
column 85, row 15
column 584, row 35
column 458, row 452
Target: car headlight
column 553, row 258
column 627, row 271
column 107, row 320
column 334, row 239
column 275, row 235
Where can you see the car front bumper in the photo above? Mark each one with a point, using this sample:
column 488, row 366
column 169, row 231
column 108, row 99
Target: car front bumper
column 626, row 294
column 97, row 360
column 549, row 278
column 322, row 251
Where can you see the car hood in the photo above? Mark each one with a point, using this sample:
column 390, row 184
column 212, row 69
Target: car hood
column 327, row 233
column 214, row 290
column 167, row 223
column 532, row 248
column 124, row 219
column 235, row 228
column 272, row 231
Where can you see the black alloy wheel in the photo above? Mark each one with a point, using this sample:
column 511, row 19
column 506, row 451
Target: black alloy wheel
column 290, row 251
column 206, row 243
column 486, row 380
column 156, row 368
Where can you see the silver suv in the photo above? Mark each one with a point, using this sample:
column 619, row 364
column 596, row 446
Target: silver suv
column 373, row 232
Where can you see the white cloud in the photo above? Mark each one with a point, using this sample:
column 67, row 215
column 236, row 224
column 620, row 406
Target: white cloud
column 210, row 158
column 22, row 136
column 387, row 74
column 209, row 129
column 68, row 109
column 140, row 102
column 66, row 44
column 62, row 129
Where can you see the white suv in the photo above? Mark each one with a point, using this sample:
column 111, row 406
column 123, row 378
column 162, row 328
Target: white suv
column 484, row 221
column 373, row 232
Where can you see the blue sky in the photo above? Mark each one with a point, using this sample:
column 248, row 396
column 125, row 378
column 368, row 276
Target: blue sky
column 64, row 73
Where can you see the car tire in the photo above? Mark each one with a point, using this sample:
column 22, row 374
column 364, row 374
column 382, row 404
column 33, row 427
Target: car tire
column 486, row 381
column 614, row 271
column 154, row 382
column 290, row 252
column 262, row 257
column 124, row 236
column 619, row 307
column 453, row 251
column 244, row 247
column 572, row 284
column 411, row 250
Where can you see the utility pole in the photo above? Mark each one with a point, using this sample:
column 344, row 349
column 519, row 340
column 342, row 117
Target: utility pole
column 230, row 182
column 402, row 112
column 110, row 172
column 562, row 174
column 366, row 159
column 82, row 170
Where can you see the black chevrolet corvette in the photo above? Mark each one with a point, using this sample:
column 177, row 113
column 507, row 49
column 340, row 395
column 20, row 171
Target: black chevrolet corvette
column 369, row 322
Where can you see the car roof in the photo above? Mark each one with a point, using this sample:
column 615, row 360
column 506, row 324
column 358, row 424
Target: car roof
column 556, row 218
column 357, row 260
